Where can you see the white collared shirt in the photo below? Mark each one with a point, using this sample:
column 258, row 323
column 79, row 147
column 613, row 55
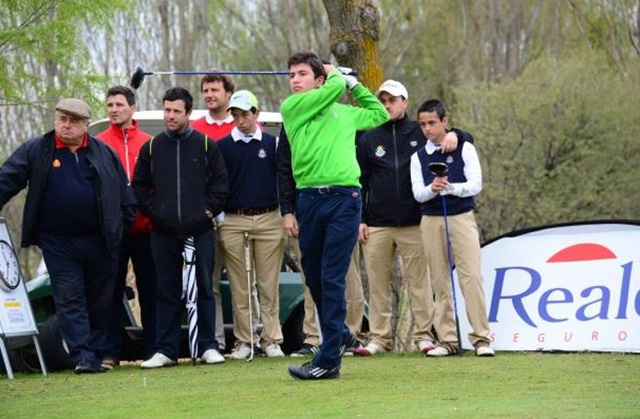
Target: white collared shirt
column 211, row 120
column 238, row 135
column 472, row 171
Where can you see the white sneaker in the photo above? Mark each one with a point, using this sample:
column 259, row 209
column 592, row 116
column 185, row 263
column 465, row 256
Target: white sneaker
column 211, row 356
column 369, row 350
column 439, row 351
column 273, row 351
column 241, row 351
column 485, row 351
column 425, row 346
column 158, row 360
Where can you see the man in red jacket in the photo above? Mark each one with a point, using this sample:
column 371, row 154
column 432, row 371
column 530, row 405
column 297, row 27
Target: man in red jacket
column 124, row 136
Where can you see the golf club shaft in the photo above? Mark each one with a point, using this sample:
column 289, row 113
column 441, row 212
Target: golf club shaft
column 453, row 286
column 247, row 267
column 216, row 72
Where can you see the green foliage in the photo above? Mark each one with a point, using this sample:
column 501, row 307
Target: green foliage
column 404, row 385
column 558, row 144
column 42, row 50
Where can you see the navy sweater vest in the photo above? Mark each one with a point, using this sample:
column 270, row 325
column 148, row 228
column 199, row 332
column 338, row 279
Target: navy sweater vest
column 455, row 174
column 252, row 172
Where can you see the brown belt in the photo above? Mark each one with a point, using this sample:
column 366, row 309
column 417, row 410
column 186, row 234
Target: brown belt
column 251, row 211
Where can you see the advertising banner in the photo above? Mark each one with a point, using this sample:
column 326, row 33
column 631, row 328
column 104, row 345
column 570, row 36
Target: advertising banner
column 569, row 288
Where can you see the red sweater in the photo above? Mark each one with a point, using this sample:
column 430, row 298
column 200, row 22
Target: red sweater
column 127, row 144
column 213, row 131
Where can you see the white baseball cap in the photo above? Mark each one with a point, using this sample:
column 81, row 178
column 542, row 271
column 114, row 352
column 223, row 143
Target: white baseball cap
column 243, row 99
column 394, row 88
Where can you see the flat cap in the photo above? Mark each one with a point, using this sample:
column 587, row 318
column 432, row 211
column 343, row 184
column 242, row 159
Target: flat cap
column 75, row 107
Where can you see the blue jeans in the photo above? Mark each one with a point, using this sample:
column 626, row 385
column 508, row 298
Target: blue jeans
column 167, row 256
column 329, row 219
column 82, row 273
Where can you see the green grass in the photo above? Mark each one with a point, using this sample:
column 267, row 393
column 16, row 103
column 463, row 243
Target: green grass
column 402, row 385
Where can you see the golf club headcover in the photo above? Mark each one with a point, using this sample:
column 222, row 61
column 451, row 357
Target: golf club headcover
column 137, row 79
column 349, row 76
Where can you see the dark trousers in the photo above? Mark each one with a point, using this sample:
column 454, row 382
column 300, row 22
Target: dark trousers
column 329, row 219
column 167, row 256
column 82, row 273
column 137, row 248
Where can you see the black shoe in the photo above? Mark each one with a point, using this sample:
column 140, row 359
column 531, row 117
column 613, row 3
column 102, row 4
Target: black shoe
column 86, row 367
column 109, row 363
column 306, row 350
column 307, row 371
column 351, row 343
column 350, row 350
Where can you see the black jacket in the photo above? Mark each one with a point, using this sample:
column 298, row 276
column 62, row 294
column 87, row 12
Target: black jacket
column 30, row 164
column 286, row 184
column 384, row 154
column 178, row 179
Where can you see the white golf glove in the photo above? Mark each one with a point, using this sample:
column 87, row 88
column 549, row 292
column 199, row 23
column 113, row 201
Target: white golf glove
column 453, row 189
column 349, row 78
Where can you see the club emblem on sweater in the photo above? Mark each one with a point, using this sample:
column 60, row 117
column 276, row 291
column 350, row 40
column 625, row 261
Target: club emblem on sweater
column 380, row 151
column 262, row 153
column 413, row 143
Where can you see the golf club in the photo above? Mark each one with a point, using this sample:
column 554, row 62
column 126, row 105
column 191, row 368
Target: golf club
column 439, row 169
column 247, row 267
column 138, row 76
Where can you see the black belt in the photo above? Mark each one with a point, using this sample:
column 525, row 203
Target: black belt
column 251, row 211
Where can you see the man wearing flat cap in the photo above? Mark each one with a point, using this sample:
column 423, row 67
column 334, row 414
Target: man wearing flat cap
column 77, row 206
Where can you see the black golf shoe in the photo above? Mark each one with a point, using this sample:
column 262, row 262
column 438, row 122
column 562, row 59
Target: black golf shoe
column 86, row 367
column 307, row 371
column 306, row 350
column 352, row 343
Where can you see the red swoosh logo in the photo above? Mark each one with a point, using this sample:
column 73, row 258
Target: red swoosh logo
column 582, row 252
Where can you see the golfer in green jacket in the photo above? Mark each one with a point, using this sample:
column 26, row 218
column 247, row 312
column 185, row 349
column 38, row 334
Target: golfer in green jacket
column 322, row 134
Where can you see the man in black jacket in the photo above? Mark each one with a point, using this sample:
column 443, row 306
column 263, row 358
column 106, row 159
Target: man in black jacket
column 391, row 220
column 77, row 206
column 181, row 183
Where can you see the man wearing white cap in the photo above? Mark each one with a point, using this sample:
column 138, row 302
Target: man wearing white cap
column 77, row 207
column 391, row 220
column 250, row 157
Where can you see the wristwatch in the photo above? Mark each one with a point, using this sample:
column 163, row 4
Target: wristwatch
column 9, row 267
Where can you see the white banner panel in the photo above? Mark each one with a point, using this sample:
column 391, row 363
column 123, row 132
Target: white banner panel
column 570, row 287
column 16, row 316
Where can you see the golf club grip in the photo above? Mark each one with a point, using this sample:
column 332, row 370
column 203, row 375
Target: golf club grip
column 247, row 256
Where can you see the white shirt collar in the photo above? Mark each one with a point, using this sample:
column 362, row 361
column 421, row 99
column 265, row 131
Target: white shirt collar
column 431, row 147
column 238, row 135
column 211, row 120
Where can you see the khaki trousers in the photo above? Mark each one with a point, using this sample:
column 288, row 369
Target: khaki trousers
column 379, row 253
column 267, row 250
column 465, row 242
column 353, row 294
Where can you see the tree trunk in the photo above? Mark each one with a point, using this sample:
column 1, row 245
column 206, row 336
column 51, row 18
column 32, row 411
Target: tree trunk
column 354, row 38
